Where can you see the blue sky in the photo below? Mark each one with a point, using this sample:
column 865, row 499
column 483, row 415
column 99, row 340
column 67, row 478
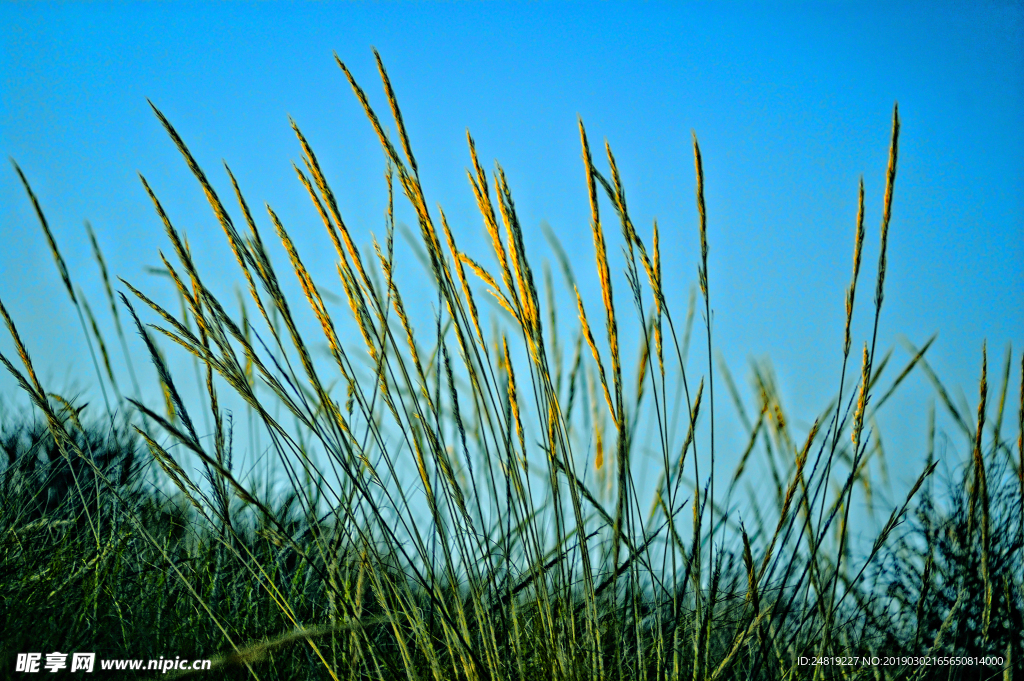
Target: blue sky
column 791, row 102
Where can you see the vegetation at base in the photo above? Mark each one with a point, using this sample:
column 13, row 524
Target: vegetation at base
column 468, row 507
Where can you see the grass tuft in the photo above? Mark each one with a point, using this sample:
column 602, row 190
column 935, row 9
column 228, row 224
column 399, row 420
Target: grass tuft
column 440, row 499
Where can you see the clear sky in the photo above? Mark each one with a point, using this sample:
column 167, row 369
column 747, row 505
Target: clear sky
column 791, row 102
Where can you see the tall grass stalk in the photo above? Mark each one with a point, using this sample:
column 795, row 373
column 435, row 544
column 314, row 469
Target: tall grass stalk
column 66, row 279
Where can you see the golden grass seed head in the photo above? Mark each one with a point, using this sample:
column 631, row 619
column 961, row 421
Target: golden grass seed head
column 858, row 243
column 589, row 168
column 389, row 149
column 604, row 274
column 858, row 418
column 645, row 352
column 513, row 400
column 461, row 274
column 486, row 208
column 692, row 427
column 61, row 266
column 890, row 181
column 98, row 256
column 524, row 277
column 702, row 215
column 982, row 398
column 23, row 353
column 589, row 336
column 393, row 102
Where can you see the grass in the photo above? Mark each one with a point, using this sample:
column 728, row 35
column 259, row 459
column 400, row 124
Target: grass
column 450, row 503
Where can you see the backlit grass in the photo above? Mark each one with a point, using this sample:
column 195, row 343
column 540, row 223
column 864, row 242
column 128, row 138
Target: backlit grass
column 457, row 497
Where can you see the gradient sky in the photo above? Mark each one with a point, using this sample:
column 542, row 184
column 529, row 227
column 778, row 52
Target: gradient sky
column 792, row 103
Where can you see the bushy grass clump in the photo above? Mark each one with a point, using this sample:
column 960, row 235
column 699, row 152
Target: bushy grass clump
column 466, row 507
